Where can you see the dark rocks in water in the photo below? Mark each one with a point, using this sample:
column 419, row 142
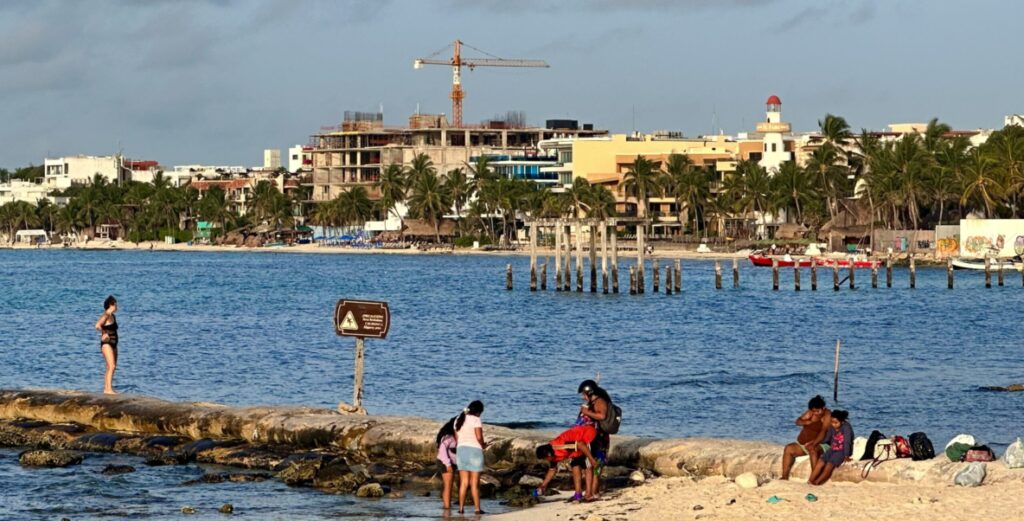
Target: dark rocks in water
column 226, row 508
column 245, row 477
column 264, row 457
column 371, row 490
column 299, row 470
column 160, row 460
column 222, row 477
column 49, row 458
column 163, row 442
column 188, row 510
column 519, row 497
column 113, row 470
column 12, row 436
column 191, row 450
column 1012, row 388
column 489, row 486
column 29, row 424
column 38, row 434
column 96, row 442
column 337, row 477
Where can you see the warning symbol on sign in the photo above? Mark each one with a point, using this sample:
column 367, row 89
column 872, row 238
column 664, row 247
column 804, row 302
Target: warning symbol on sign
column 349, row 322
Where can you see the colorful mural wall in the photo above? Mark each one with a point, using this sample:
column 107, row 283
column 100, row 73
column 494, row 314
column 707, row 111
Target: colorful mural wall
column 1002, row 238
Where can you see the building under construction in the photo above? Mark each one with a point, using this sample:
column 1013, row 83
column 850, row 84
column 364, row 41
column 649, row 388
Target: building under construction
column 355, row 152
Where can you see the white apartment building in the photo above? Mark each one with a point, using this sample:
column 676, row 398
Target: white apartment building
column 63, row 172
column 300, row 158
column 18, row 190
column 271, row 159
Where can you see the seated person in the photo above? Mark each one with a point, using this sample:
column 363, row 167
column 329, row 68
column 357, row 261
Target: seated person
column 814, row 422
column 572, row 445
column 839, row 441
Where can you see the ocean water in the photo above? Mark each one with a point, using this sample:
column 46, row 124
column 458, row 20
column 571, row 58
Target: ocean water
column 256, row 328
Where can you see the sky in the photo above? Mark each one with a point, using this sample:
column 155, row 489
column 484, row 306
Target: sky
column 218, row 81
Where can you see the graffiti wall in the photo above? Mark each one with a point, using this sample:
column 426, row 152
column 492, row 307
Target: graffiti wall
column 947, row 240
column 1003, row 238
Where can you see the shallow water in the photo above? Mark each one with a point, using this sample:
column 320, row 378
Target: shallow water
column 248, row 328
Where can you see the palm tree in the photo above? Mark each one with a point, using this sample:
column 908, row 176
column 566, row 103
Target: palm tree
column 421, row 166
column 934, row 134
column 755, row 187
column 392, row 187
column 89, row 208
column 354, row 206
column 1006, row 149
column 214, row 207
column 793, row 188
column 66, row 220
column 910, row 162
column 579, row 195
column 47, row 213
column 689, row 185
column 642, row 180
column 430, row 200
column 981, row 182
column 461, row 188
column 601, row 201
column 824, row 165
column 835, row 130
column 944, row 182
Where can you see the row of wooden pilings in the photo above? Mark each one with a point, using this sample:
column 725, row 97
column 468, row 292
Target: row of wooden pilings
column 674, row 274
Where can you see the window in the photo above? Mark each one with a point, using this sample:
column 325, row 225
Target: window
column 773, row 147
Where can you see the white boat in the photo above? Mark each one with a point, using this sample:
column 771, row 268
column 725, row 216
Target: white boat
column 979, row 264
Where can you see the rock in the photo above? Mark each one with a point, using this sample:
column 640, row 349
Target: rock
column 1014, row 456
column 96, row 442
column 245, row 477
column 489, row 486
column 747, row 480
column 971, row 476
column 188, row 510
column 370, row 490
column 49, row 458
column 396, row 495
column 226, row 508
column 112, row 470
column 338, row 477
column 530, row 481
column 300, row 472
column 191, row 450
column 698, row 507
column 161, row 460
column 637, row 477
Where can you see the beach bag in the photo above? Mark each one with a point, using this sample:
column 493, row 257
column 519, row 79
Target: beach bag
column 902, row 446
column 612, row 420
column 869, row 447
column 885, row 450
column 860, row 445
column 966, row 439
column 957, row 451
column 1014, row 456
column 979, row 453
column 921, row 447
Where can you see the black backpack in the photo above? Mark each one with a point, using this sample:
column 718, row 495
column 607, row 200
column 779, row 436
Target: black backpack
column 612, row 420
column 869, row 449
column 921, row 447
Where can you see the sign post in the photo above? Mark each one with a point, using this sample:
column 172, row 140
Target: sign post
column 361, row 319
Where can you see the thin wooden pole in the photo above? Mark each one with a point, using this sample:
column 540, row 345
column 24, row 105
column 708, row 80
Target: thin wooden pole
column 888, row 271
column 949, row 272
column 640, row 253
column 544, row 276
column 913, row 272
column 853, row 270
column 718, row 274
column 796, row 275
column 775, row 275
column 632, row 280
column 593, row 259
column 999, row 272
column 567, row 279
column 579, row 258
column 874, row 275
column 533, row 256
column 679, row 276
column 835, row 376
column 656, row 271
column 508, row 277
column 814, row 274
column 988, row 271
column 615, row 259
column 735, row 273
column 604, row 257
column 558, row 256
column 835, row 276
column 668, row 280
column 357, row 380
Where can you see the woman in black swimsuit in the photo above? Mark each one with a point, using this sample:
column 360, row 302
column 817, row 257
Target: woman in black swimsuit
column 107, row 326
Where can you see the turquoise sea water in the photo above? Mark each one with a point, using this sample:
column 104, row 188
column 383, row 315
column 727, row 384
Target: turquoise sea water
column 253, row 328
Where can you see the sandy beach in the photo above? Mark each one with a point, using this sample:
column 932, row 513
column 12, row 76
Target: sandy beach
column 676, row 498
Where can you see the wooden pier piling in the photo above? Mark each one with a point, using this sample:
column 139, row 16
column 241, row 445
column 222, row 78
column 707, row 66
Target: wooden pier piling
column 604, row 257
column 999, row 273
column 735, row 273
column 874, row 275
column 988, row 272
column 655, row 269
column 718, row 274
column 814, row 274
column 579, row 258
column 567, row 279
column 835, row 276
column 508, row 277
column 796, row 276
column 888, row 271
column 640, row 253
column 679, row 276
column 615, row 260
column 558, row 256
column 632, row 280
column 853, row 271
column 775, row 275
column 533, row 257
column 949, row 272
column 544, row 276
column 593, row 259
column 913, row 272
column 668, row 280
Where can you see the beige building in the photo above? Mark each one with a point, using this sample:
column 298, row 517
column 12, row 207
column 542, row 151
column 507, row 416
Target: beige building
column 356, row 152
column 63, row 172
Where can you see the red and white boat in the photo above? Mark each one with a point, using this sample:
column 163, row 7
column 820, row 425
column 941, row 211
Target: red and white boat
column 764, row 260
column 845, row 263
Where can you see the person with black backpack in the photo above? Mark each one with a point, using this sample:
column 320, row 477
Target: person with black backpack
column 598, row 410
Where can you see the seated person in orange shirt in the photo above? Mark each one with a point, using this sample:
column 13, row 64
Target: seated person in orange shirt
column 572, row 445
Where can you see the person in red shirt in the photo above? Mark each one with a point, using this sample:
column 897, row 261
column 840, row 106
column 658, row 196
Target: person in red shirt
column 572, row 445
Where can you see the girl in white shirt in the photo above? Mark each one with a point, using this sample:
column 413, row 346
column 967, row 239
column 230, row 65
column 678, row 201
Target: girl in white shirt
column 469, row 456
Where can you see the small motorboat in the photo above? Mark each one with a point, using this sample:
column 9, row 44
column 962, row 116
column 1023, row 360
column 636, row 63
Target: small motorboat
column 785, row 262
column 961, row 263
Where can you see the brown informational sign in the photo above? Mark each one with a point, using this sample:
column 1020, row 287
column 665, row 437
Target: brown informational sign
column 363, row 319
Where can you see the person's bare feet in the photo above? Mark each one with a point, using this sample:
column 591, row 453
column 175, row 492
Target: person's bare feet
column 109, row 391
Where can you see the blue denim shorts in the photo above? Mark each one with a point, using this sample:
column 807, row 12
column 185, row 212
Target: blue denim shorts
column 470, row 458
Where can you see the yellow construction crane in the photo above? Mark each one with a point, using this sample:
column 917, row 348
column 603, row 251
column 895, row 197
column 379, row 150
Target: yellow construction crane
column 457, row 62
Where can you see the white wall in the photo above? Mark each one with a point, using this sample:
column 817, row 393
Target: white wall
column 981, row 237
